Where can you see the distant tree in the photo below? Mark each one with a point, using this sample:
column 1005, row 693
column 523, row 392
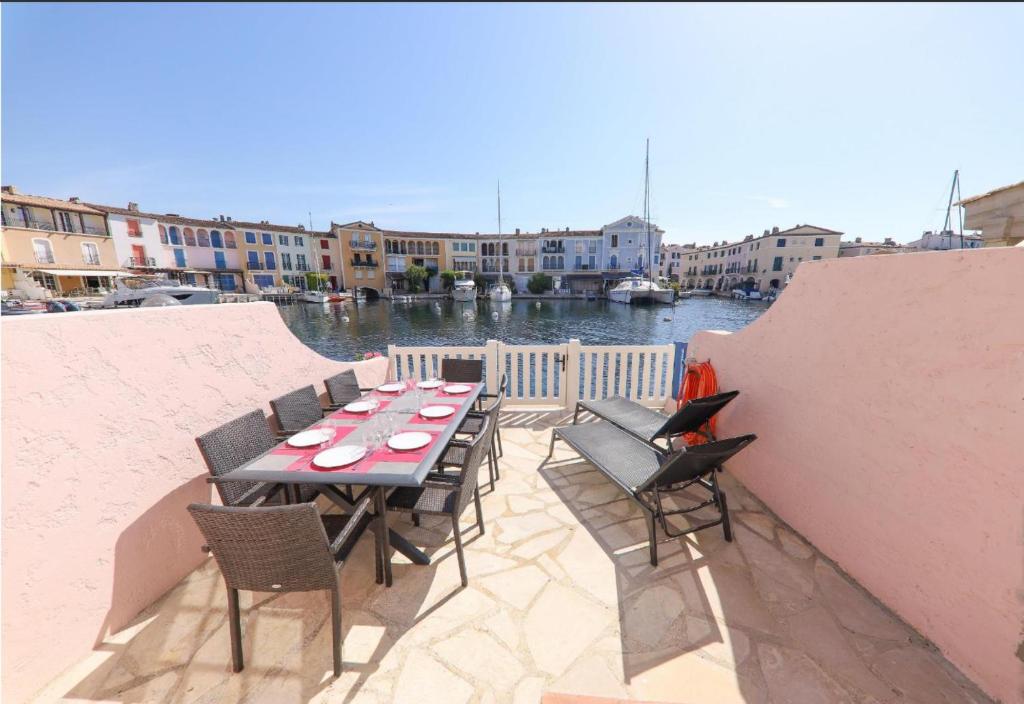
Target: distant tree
column 539, row 283
column 447, row 279
column 315, row 281
column 480, row 281
column 415, row 275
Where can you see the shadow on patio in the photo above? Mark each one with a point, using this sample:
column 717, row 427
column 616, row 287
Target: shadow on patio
column 562, row 598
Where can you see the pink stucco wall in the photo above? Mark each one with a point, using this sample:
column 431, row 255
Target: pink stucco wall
column 887, row 393
column 100, row 412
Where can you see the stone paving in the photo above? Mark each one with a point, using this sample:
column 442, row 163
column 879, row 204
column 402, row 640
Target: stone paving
column 562, row 598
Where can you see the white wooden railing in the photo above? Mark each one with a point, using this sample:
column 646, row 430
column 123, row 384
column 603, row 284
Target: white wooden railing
column 553, row 376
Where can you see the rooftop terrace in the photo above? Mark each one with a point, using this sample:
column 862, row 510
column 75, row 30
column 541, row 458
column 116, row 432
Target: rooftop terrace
column 562, row 598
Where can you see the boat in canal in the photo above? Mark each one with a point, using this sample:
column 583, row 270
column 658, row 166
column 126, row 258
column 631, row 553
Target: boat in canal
column 500, row 292
column 637, row 289
column 464, row 288
column 133, row 291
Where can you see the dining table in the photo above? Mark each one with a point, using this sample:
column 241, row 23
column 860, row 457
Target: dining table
column 394, row 408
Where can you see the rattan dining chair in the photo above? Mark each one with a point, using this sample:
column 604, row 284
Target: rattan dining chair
column 233, row 444
column 463, row 371
column 472, row 424
column 343, row 388
column 280, row 549
column 296, row 411
column 449, row 494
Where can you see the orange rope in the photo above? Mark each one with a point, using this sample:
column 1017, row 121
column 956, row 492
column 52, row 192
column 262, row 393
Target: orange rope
column 699, row 381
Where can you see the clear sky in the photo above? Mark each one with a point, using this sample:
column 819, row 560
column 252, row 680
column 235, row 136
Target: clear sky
column 851, row 117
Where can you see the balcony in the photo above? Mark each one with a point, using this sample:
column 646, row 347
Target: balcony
column 44, row 259
column 254, row 266
column 140, row 263
column 364, row 264
column 91, row 261
column 368, row 246
column 93, row 230
column 545, row 249
column 841, row 513
column 39, row 225
column 302, row 267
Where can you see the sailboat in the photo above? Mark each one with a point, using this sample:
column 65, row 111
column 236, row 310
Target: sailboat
column 500, row 292
column 636, row 288
column 318, row 296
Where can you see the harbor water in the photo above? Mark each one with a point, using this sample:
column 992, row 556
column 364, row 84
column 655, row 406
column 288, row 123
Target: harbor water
column 341, row 331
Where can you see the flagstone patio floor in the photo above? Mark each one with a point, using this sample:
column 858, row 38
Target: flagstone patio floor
column 562, row 599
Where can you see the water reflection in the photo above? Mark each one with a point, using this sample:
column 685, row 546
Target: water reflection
column 341, row 331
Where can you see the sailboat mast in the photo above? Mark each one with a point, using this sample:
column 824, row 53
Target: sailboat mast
column 501, row 268
column 647, row 205
column 954, row 188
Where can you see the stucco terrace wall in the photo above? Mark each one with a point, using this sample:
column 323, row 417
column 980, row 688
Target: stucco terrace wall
column 100, row 412
column 887, row 393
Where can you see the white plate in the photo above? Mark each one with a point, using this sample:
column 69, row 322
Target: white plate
column 391, row 388
column 309, row 438
column 457, row 389
column 436, row 411
column 409, row 441
column 430, row 384
column 340, row 456
column 360, row 407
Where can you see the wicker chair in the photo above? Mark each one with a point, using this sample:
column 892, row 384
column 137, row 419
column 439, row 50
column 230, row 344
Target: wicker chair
column 297, row 410
column 230, row 446
column 343, row 388
column 474, row 422
column 449, row 494
column 465, row 371
column 280, row 549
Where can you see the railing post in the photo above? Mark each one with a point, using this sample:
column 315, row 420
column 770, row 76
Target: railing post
column 492, row 357
column 392, row 362
column 571, row 378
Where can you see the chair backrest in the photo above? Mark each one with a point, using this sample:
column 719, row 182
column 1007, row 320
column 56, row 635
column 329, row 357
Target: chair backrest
column 297, row 410
column 475, row 455
column 695, row 461
column 462, row 370
column 272, row 549
column 231, row 445
column 343, row 388
column 694, row 414
column 495, row 405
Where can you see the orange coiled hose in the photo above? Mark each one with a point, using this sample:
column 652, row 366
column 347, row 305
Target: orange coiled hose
column 699, row 381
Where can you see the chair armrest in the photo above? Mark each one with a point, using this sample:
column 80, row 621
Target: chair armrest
column 258, row 494
column 354, row 519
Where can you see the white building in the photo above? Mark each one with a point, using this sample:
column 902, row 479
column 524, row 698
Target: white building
column 946, row 240
column 672, row 258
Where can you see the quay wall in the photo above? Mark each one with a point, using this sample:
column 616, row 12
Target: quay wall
column 887, row 393
column 100, row 413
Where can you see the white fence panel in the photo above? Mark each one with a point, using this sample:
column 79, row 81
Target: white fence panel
column 554, row 375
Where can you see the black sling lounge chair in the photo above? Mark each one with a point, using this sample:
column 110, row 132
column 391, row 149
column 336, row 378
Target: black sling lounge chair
column 649, row 425
column 646, row 473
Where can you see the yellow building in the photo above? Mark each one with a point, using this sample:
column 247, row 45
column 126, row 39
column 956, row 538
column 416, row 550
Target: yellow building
column 405, row 249
column 359, row 250
column 999, row 214
column 53, row 247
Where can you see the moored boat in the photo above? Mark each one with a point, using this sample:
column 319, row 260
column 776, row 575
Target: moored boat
column 464, row 288
column 134, row 290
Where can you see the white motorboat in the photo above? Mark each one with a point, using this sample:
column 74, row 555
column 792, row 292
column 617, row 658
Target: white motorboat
column 314, row 297
column 699, row 292
column 739, row 293
column 636, row 290
column 754, row 295
column 133, row 290
column 464, row 288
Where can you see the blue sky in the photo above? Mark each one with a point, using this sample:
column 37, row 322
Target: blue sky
column 851, row 117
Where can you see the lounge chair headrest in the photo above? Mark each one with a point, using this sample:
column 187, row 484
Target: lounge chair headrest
column 694, row 414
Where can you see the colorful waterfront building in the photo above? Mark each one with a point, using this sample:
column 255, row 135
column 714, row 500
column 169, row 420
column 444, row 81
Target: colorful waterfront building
column 627, row 248
column 52, row 247
column 358, row 252
column 759, row 263
column 672, row 258
column 405, row 249
column 462, row 253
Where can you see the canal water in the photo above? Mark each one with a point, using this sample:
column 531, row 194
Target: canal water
column 372, row 326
